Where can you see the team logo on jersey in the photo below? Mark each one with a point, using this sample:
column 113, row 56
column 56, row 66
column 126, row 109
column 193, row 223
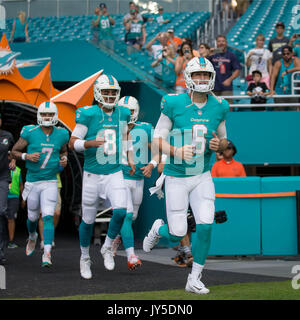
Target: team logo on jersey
column 199, row 112
column 7, row 60
column 5, row 141
column 109, row 119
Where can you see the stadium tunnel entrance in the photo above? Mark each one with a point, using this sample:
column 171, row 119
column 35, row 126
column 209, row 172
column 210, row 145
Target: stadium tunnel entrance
column 16, row 115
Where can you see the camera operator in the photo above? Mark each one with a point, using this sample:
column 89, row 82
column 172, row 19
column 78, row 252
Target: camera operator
column 185, row 55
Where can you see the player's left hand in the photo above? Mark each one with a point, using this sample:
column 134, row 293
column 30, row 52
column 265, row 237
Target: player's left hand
column 147, row 170
column 133, row 168
column 63, row 161
column 12, row 164
column 214, row 143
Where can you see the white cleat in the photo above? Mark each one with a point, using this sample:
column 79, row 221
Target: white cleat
column 108, row 256
column 152, row 237
column 115, row 245
column 195, row 285
column 30, row 247
column 85, row 268
column 46, row 260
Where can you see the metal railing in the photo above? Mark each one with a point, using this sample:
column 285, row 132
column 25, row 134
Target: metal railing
column 295, row 87
column 265, row 105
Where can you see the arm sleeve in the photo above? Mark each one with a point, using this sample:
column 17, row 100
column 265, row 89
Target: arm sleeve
column 221, row 131
column 80, row 131
column 163, row 127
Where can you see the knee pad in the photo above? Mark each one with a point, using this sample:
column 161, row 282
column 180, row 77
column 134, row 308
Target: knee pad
column 177, row 224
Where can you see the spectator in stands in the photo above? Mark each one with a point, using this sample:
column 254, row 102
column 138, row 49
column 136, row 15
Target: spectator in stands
column 228, row 167
column 276, row 44
column 295, row 41
column 95, row 26
column 173, row 40
column 258, row 90
column 195, row 52
column 227, row 67
column 156, row 49
column 136, row 32
column 128, row 15
column 105, row 22
column 281, row 77
column 2, row 18
column 162, row 18
column 15, row 191
column 204, row 50
column 6, row 144
column 185, row 55
column 19, row 32
column 167, row 60
column 260, row 59
column 242, row 6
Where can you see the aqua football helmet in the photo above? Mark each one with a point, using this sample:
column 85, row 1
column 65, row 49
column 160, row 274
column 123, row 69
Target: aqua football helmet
column 106, row 82
column 46, row 108
column 132, row 104
column 199, row 64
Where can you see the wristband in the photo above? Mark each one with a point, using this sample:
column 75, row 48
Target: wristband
column 79, row 145
column 154, row 163
column 24, row 156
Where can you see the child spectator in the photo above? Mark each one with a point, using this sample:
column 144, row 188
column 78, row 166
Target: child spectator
column 228, row 167
column 258, row 90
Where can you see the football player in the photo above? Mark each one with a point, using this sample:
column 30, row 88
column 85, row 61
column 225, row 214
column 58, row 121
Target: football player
column 46, row 150
column 196, row 123
column 98, row 133
column 141, row 137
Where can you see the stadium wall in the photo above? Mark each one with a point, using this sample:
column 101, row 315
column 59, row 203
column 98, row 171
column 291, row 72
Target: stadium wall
column 255, row 226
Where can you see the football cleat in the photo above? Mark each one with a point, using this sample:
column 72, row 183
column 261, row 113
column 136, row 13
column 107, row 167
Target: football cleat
column 30, row 247
column 46, row 260
column 194, row 285
column 134, row 262
column 115, row 245
column 85, row 268
column 153, row 236
column 108, row 256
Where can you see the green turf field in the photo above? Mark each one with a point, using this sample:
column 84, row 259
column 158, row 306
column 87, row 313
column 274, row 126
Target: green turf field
column 243, row 291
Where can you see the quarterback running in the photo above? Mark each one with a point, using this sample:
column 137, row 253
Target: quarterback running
column 190, row 127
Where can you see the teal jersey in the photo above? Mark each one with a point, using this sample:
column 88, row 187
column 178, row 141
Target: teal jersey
column 19, row 29
column 49, row 148
column 284, row 85
column 297, row 51
column 105, row 28
column 162, row 17
column 141, row 135
column 106, row 159
column 192, row 126
column 135, row 31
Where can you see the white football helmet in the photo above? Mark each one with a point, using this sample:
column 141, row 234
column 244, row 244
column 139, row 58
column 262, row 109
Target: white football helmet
column 47, row 107
column 132, row 104
column 199, row 64
column 106, row 82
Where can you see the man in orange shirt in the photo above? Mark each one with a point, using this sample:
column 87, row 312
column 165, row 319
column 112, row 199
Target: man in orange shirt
column 173, row 40
column 228, row 167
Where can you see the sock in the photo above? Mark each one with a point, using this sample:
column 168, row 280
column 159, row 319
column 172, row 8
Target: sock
column 47, row 248
column 186, row 249
column 48, row 230
column 196, row 270
column 85, row 233
column 164, row 232
column 129, row 252
column 127, row 232
column 201, row 243
column 116, row 222
column 108, row 241
column 31, row 227
column 85, row 252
